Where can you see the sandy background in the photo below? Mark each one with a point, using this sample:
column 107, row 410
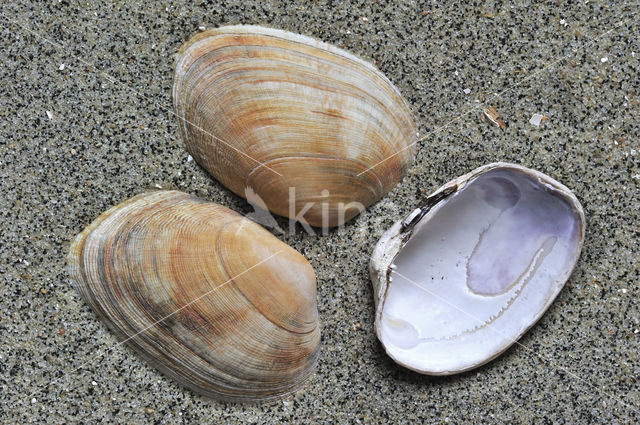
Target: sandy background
column 85, row 95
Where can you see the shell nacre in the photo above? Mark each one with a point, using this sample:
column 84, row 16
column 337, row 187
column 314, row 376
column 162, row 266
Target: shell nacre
column 464, row 276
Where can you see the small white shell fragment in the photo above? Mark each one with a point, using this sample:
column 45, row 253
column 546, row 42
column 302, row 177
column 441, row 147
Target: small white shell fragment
column 605, row 59
column 49, row 114
column 461, row 280
column 61, row 68
column 536, row 119
column 411, row 216
column 466, row 91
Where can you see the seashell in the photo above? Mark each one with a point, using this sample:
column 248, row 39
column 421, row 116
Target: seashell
column 463, row 277
column 208, row 297
column 317, row 133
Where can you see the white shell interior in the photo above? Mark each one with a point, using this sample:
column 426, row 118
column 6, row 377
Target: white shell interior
column 480, row 268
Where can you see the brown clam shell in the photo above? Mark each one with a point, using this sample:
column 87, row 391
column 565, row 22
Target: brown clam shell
column 208, row 297
column 309, row 127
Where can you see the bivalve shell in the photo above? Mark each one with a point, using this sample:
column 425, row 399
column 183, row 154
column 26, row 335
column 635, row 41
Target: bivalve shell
column 210, row 298
column 464, row 276
column 317, row 133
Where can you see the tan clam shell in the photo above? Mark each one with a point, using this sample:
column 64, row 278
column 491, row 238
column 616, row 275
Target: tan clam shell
column 210, row 298
column 272, row 110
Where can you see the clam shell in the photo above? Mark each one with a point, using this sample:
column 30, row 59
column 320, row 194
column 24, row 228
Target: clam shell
column 294, row 119
column 208, row 297
column 461, row 278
